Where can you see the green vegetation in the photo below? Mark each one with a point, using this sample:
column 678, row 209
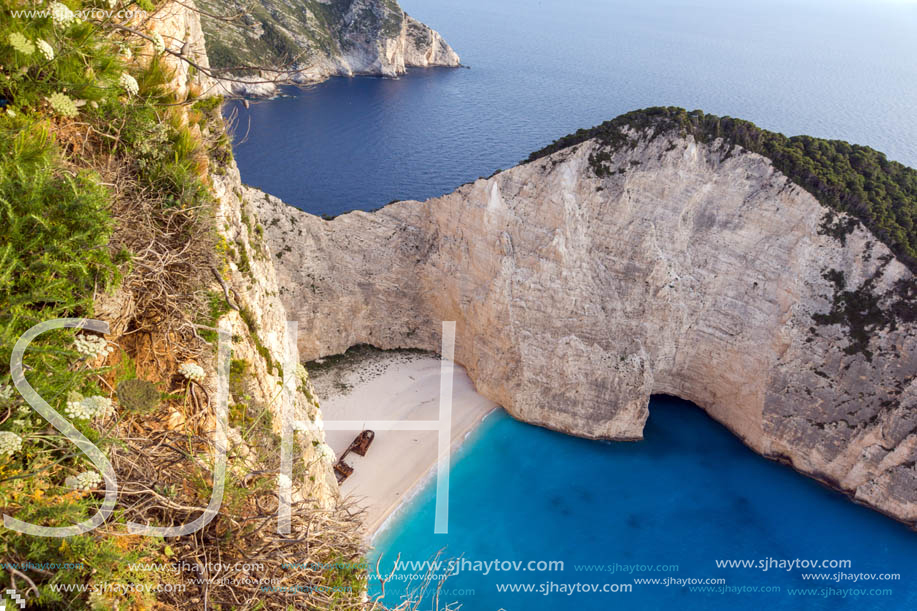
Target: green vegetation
column 51, row 258
column 105, row 195
column 863, row 311
column 138, row 395
column 238, row 369
column 849, row 178
column 210, row 317
column 278, row 34
column 87, row 138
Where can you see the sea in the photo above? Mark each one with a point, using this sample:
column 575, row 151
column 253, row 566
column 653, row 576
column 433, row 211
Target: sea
column 690, row 499
column 670, row 507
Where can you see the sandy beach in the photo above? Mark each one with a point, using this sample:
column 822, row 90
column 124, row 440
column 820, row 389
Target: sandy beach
column 368, row 384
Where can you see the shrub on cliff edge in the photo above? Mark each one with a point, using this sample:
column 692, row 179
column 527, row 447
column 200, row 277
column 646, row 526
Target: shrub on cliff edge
column 849, row 178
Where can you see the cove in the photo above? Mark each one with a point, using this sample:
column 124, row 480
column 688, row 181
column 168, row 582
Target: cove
column 688, row 495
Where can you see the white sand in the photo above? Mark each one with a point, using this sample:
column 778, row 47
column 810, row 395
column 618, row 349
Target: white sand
column 393, row 386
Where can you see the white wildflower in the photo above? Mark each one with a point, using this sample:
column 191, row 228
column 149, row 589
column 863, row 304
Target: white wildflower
column 88, row 408
column 6, row 393
column 326, row 453
column 45, row 49
column 100, row 407
column 126, row 53
column 87, row 480
column 129, row 84
column 76, row 409
column 21, row 43
column 10, row 443
column 99, row 600
column 63, row 105
column 192, row 371
column 159, row 45
column 61, row 14
column 92, row 346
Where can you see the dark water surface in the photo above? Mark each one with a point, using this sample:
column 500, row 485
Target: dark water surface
column 540, row 70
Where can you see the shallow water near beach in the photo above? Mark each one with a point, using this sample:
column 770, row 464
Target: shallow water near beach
column 689, row 494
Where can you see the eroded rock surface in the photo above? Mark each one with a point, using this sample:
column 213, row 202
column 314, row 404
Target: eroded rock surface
column 308, row 41
column 582, row 283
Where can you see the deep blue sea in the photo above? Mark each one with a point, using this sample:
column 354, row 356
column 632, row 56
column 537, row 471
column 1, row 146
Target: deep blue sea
column 691, row 493
column 540, row 69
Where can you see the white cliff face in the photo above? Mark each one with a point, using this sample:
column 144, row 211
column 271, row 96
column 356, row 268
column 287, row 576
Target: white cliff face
column 423, row 46
column 308, row 41
column 261, row 341
column 690, row 269
column 180, row 28
column 402, row 42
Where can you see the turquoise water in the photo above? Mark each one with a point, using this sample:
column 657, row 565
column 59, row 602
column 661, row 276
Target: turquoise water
column 688, row 495
column 543, row 69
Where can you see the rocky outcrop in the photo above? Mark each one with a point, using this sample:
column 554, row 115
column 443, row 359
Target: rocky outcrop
column 587, row 280
column 423, row 47
column 307, row 41
column 179, row 25
column 259, row 327
column 259, row 321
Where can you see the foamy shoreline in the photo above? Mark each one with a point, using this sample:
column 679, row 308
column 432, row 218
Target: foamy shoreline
column 394, row 513
column 402, row 386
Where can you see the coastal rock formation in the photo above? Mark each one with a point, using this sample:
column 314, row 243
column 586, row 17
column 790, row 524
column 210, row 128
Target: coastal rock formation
column 260, row 327
column 308, row 41
column 259, row 323
column 179, row 25
column 589, row 279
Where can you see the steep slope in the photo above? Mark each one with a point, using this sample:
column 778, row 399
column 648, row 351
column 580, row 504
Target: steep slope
column 311, row 40
column 612, row 269
column 849, row 178
column 122, row 204
column 259, row 318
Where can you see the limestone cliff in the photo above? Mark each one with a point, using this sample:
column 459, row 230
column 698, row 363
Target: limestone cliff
column 260, row 331
column 258, row 319
column 591, row 278
column 179, row 25
column 309, row 40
